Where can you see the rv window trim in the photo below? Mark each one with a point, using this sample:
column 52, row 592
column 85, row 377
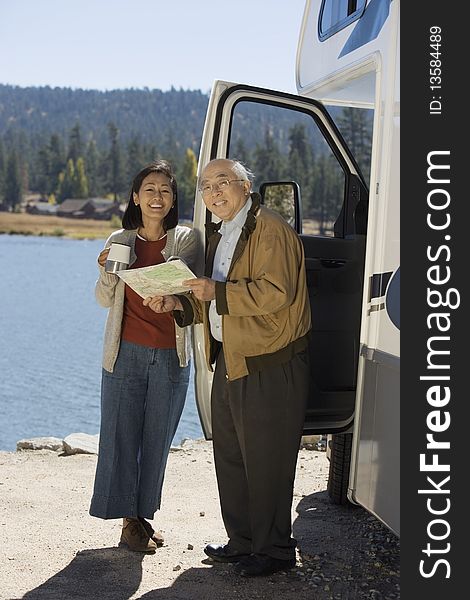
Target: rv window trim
column 339, row 25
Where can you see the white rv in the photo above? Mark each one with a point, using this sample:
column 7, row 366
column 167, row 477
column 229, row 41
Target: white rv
column 346, row 211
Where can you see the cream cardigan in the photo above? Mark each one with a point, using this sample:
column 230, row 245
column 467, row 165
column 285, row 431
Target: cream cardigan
column 109, row 291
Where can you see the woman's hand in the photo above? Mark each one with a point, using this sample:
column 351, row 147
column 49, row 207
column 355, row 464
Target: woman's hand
column 102, row 257
column 163, row 304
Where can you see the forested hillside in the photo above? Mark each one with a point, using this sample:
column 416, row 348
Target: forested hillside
column 145, row 114
column 65, row 143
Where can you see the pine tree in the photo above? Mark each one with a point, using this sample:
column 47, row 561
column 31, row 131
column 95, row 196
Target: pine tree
column 267, row 160
column 135, row 158
column 80, row 180
column 92, row 163
column 328, row 192
column 43, row 167
column 300, row 157
column 2, row 169
column 73, row 182
column 66, row 186
column 187, row 178
column 24, row 159
column 170, row 148
column 240, row 152
column 12, row 190
column 115, row 163
column 75, row 143
column 355, row 125
column 56, row 163
column 24, row 175
column 300, row 162
column 150, row 153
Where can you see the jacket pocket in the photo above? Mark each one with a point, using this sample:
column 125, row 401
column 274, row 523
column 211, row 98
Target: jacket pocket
column 270, row 322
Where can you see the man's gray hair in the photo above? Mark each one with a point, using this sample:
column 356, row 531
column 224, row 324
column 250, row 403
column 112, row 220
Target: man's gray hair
column 241, row 171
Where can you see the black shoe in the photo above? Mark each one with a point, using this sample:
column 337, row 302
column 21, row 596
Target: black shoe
column 222, row 553
column 256, row 565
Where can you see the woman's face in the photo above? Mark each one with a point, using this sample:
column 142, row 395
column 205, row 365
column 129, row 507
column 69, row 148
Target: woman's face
column 155, row 197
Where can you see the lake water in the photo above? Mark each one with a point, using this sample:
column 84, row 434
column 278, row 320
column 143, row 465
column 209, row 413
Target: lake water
column 51, row 334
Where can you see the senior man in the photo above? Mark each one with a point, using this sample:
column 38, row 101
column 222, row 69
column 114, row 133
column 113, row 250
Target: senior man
column 254, row 305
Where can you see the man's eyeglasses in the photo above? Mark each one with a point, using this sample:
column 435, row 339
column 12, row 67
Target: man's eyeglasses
column 208, row 188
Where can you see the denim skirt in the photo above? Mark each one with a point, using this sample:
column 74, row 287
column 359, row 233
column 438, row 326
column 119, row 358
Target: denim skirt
column 141, row 405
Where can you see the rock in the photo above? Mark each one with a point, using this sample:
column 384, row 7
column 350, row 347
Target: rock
column 189, row 444
column 40, row 443
column 309, row 442
column 81, row 443
column 176, row 448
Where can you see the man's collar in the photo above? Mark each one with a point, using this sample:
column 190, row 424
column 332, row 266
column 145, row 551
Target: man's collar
column 238, row 220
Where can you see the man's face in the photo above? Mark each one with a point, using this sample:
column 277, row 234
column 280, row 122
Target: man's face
column 222, row 199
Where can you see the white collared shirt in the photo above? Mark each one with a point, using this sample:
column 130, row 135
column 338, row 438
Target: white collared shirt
column 230, row 232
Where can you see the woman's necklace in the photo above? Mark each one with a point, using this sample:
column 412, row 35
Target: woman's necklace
column 151, row 238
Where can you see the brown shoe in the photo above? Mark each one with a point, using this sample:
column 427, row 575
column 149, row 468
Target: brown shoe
column 156, row 536
column 135, row 537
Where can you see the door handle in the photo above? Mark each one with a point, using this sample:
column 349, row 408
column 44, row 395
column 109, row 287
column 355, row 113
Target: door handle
column 331, row 263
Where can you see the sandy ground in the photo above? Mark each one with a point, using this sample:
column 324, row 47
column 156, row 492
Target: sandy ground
column 51, row 549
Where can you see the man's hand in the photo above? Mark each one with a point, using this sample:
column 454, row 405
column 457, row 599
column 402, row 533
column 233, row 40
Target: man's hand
column 202, row 287
column 163, row 304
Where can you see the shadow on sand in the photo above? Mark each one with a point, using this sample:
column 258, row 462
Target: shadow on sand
column 99, row 573
column 345, row 553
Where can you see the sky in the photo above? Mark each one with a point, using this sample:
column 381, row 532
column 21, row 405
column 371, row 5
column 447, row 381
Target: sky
column 111, row 44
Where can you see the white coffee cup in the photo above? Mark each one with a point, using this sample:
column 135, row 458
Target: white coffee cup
column 118, row 258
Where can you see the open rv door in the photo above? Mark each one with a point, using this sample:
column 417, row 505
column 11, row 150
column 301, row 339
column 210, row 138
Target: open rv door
column 294, row 139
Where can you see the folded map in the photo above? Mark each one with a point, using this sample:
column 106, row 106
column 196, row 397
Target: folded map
column 158, row 280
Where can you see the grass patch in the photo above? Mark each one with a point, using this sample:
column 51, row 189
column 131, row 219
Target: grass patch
column 25, row 224
column 58, row 232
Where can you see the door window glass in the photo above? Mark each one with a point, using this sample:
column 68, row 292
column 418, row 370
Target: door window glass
column 280, row 144
column 355, row 125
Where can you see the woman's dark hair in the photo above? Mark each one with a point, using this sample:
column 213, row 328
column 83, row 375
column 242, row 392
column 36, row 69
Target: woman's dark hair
column 132, row 218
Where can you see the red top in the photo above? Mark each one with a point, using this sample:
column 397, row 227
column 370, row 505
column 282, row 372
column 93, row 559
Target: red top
column 140, row 324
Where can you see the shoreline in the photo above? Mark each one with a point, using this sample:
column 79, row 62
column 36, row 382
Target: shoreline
column 78, row 443
column 61, row 227
column 85, row 443
column 40, row 225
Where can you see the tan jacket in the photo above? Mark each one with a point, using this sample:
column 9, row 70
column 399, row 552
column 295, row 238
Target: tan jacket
column 264, row 302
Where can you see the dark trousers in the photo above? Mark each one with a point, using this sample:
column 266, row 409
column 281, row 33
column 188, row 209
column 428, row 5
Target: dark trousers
column 257, row 424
